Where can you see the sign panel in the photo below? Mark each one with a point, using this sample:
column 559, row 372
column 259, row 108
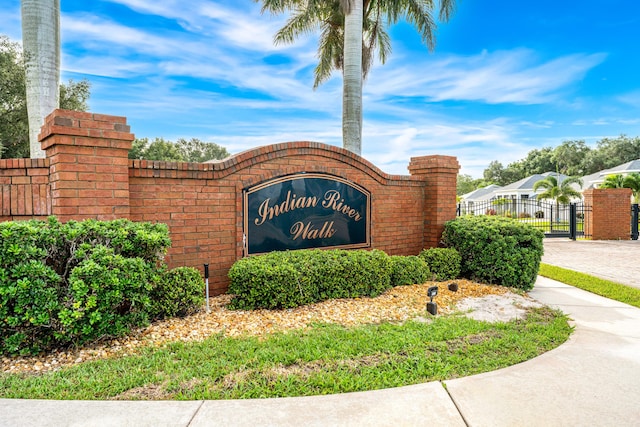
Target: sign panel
column 306, row 210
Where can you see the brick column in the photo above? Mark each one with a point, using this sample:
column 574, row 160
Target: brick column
column 440, row 174
column 610, row 213
column 88, row 164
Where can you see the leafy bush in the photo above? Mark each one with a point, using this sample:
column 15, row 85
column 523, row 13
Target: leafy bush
column 496, row 250
column 408, row 270
column 65, row 284
column 524, row 215
column 107, row 295
column 289, row 279
column 177, row 293
column 29, row 304
column 444, row 263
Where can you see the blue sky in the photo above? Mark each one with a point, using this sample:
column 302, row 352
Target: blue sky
column 506, row 77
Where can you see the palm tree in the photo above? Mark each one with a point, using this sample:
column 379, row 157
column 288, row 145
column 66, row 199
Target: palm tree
column 559, row 190
column 352, row 76
column 613, row 181
column 41, row 46
column 632, row 181
column 334, row 50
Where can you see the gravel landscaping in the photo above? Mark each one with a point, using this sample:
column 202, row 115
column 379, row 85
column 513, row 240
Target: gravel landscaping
column 396, row 305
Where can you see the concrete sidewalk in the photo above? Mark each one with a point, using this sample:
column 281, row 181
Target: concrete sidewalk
column 593, row 379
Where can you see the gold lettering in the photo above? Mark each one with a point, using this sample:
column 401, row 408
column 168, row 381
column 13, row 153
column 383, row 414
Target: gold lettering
column 263, row 211
column 333, row 201
column 291, row 202
column 308, row 231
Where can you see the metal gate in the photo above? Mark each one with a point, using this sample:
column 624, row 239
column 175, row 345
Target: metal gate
column 554, row 220
column 634, row 221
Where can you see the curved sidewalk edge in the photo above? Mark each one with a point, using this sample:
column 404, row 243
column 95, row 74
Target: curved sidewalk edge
column 593, row 379
column 404, row 406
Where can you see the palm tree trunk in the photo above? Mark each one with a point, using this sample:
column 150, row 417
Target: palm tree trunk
column 41, row 46
column 352, row 77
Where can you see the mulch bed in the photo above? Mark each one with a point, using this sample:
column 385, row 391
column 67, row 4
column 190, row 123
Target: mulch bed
column 396, row 305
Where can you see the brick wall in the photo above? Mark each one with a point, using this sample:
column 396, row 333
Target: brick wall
column 202, row 203
column 89, row 169
column 24, row 189
column 610, row 216
column 87, row 175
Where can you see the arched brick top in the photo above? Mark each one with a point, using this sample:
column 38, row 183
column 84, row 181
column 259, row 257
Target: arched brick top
column 240, row 161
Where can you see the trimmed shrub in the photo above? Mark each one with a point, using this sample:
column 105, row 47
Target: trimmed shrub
column 29, row 305
column 293, row 278
column 66, row 284
column 178, row 292
column 107, row 295
column 444, row 263
column 496, row 250
column 409, row 270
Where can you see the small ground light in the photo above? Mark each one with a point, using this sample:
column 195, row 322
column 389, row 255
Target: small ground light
column 432, row 307
column 206, row 285
column 453, row 287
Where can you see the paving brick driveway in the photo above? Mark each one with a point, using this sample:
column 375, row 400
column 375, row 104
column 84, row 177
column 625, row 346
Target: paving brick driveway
column 616, row 260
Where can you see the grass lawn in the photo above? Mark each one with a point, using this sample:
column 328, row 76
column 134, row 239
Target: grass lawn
column 325, row 359
column 606, row 288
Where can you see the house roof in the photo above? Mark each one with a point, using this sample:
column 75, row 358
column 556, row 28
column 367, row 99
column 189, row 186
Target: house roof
column 629, row 167
column 483, row 193
column 590, row 181
column 526, row 184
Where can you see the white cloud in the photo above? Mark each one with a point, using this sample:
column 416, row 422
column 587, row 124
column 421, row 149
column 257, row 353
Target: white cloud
column 513, row 76
column 239, row 26
column 632, row 98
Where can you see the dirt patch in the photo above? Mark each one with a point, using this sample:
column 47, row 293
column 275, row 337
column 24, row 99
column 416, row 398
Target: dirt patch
column 497, row 308
column 147, row 392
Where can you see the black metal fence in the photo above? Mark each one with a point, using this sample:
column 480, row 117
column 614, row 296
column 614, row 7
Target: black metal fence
column 555, row 220
column 635, row 221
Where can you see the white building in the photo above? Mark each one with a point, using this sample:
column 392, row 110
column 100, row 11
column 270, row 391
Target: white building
column 596, row 179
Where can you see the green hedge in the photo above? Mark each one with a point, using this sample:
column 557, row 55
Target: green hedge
column 66, row 284
column 293, row 278
column 107, row 295
column 409, row 270
column 177, row 292
column 444, row 263
column 496, row 250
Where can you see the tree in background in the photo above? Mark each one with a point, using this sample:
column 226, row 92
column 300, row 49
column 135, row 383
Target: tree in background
column 631, row 181
column 339, row 48
column 193, row 150
column 572, row 157
column 14, row 128
column 493, row 173
column 41, row 47
column 75, row 95
column 562, row 192
column 198, row 151
column 611, row 152
column 537, row 161
column 613, row 181
column 14, row 119
column 569, row 157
